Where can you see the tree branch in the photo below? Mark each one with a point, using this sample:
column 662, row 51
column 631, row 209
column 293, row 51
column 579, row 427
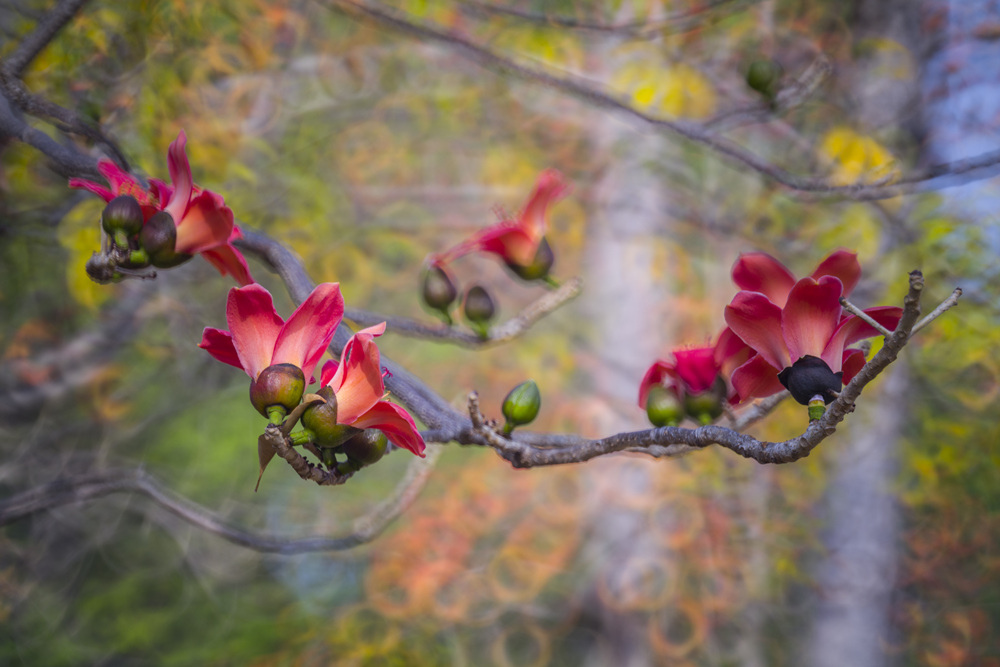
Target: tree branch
column 980, row 166
column 44, row 32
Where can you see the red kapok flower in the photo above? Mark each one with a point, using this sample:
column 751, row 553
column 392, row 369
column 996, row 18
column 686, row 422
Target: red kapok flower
column 695, row 369
column 204, row 224
column 357, row 382
column 760, row 272
column 258, row 337
column 810, row 326
column 520, row 243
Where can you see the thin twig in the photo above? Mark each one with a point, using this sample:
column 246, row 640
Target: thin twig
column 47, row 28
column 857, row 312
column 948, row 303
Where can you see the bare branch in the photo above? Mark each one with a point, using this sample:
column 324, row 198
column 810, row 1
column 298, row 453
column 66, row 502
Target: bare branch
column 936, row 177
column 857, row 312
column 19, row 59
column 948, row 303
column 78, row 489
column 500, row 333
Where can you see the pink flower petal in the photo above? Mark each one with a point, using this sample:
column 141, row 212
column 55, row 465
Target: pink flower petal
column 853, row 362
column 229, row 260
column 254, row 326
column 842, row 264
column 180, row 175
column 811, row 316
column 219, row 344
column 204, row 225
column 508, row 241
column 853, row 328
column 358, row 379
column 757, row 322
column 329, row 370
column 90, row 186
column 656, row 375
column 696, row 367
column 396, row 423
column 756, row 379
column 550, row 187
column 304, row 337
column 759, row 272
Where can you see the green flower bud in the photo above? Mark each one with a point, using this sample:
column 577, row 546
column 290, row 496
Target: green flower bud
column 478, row 305
column 278, row 385
column 122, row 214
column 539, row 267
column 158, row 237
column 439, row 290
column 764, row 76
column 366, row 447
column 521, row 405
column 663, row 407
column 707, row 406
column 320, row 420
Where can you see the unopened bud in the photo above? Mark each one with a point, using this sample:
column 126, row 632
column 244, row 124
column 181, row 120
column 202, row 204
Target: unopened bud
column 478, row 305
column 521, row 405
column 159, row 238
column 122, row 214
column 366, row 447
column 663, row 408
column 539, row 266
column 439, row 289
column 320, row 419
column 278, row 385
column 764, row 76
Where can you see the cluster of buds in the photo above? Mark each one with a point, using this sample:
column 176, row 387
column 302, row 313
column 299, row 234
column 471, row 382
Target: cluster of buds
column 521, row 245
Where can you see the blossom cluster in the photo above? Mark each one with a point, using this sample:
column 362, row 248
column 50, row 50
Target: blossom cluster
column 163, row 225
column 781, row 333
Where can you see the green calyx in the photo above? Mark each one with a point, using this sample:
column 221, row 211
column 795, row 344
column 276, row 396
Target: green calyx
column 158, row 238
column 366, row 447
column 764, row 76
column 320, row 421
column 540, row 265
column 663, row 408
column 521, row 405
column 439, row 291
column 707, row 406
column 278, row 386
column 817, row 408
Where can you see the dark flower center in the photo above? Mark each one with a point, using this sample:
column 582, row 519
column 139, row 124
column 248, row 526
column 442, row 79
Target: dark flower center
column 811, row 376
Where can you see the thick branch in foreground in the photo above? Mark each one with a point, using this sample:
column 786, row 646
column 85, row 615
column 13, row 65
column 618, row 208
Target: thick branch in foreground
column 76, row 489
column 532, row 450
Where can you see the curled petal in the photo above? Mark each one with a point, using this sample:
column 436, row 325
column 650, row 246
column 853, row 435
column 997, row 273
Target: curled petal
column 759, row 272
column 328, row 371
column 841, row 264
column 811, row 316
column 229, row 260
column 550, row 187
column 396, row 423
column 219, row 344
column 304, row 337
column 205, row 224
column 757, row 321
column 254, row 326
column 756, row 379
column 180, row 175
column 358, row 379
column 90, row 186
column 655, row 376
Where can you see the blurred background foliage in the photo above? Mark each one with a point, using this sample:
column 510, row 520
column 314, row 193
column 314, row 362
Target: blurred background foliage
column 364, row 150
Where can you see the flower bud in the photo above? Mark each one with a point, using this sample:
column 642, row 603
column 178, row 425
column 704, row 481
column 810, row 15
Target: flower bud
column 124, row 214
column 320, row 419
column 764, row 76
column 663, row 407
column 159, row 237
column 277, row 385
column 366, row 447
column 539, row 267
column 809, row 377
column 521, row 405
column 439, row 289
column 706, row 406
column 478, row 305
